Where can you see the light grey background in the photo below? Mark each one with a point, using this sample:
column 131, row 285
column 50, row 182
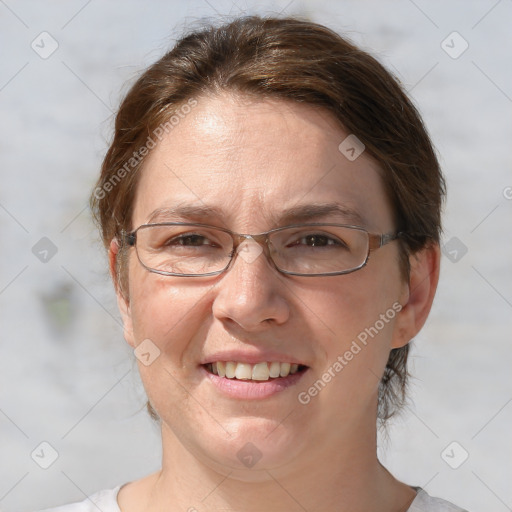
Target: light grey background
column 66, row 375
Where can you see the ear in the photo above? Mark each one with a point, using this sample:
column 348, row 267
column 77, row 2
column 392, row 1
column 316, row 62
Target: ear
column 123, row 301
column 418, row 294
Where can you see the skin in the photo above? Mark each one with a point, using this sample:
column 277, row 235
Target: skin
column 253, row 159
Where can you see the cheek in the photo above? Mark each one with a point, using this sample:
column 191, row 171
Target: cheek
column 166, row 313
column 357, row 312
column 346, row 305
column 356, row 319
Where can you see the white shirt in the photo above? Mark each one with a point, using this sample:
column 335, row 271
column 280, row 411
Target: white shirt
column 106, row 501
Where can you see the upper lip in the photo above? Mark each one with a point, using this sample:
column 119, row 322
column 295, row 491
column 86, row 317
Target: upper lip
column 250, row 357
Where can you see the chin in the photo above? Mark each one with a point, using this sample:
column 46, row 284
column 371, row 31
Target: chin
column 255, row 445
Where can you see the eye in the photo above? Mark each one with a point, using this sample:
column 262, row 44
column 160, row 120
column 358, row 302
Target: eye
column 199, row 240
column 317, row 240
column 190, row 240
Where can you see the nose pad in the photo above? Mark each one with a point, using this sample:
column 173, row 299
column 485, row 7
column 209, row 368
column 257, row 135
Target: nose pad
column 249, row 250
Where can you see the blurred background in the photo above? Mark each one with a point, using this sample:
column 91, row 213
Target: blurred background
column 72, row 409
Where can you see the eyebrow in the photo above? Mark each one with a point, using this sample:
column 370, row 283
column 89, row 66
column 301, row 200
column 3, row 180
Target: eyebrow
column 296, row 214
column 313, row 212
column 188, row 212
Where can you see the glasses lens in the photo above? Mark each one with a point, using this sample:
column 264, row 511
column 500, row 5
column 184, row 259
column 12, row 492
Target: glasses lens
column 319, row 249
column 183, row 249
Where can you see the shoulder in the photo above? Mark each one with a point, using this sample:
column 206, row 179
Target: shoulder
column 426, row 503
column 105, row 500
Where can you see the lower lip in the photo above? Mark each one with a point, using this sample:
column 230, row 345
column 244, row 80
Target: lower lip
column 252, row 390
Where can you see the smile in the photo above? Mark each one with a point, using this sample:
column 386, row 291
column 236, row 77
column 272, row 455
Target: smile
column 256, row 372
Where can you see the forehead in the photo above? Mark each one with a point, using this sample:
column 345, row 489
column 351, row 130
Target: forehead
column 249, row 163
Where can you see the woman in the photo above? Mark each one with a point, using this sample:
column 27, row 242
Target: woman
column 271, row 208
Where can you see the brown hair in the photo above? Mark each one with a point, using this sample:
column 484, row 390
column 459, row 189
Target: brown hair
column 295, row 60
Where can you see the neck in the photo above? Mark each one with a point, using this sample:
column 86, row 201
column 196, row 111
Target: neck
column 334, row 475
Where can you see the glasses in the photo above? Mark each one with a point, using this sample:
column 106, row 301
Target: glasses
column 194, row 250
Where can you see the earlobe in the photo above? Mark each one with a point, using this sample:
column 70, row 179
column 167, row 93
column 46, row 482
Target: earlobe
column 123, row 301
column 417, row 301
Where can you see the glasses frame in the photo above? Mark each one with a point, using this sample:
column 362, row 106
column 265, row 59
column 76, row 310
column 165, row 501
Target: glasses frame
column 375, row 241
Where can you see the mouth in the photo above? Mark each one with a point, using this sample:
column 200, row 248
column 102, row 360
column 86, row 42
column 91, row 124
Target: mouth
column 260, row 372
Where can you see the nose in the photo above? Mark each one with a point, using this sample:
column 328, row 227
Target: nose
column 251, row 292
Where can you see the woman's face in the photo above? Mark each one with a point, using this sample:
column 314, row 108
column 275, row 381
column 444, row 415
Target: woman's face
column 241, row 164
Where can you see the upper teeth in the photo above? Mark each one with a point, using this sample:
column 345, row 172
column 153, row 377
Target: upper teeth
column 258, row 371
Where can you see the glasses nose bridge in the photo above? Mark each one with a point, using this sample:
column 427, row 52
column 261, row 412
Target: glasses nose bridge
column 262, row 239
column 239, row 238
